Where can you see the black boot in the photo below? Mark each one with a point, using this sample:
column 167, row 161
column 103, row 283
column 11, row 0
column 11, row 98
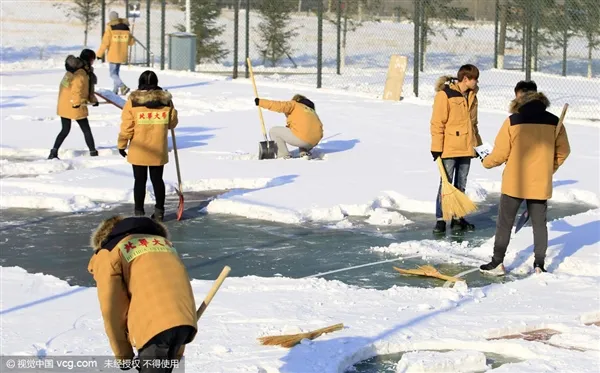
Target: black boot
column 461, row 224
column 159, row 215
column 53, row 154
column 440, row 227
column 538, row 267
column 93, row 153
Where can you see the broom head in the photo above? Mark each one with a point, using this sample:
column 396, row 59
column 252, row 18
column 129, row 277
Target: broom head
column 291, row 340
column 428, row 271
column 455, row 204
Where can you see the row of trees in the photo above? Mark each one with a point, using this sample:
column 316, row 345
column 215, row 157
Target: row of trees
column 552, row 24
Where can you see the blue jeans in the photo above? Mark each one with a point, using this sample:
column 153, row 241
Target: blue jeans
column 114, row 74
column 457, row 169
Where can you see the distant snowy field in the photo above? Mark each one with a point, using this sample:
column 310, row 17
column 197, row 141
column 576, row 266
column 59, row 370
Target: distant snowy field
column 375, row 164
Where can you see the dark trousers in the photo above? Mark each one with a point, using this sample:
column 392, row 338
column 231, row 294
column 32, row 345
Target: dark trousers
column 140, row 175
column 509, row 206
column 457, row 169
column 66, row 128
column 164, row 346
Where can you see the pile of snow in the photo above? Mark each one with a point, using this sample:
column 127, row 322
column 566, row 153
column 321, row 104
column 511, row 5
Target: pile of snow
column 464, row 361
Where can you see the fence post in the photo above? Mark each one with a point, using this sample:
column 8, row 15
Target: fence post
column 339, row 37
column 148, row 5
column 528, row 49
column 127, row 9
column 236, row 19
column 247, row 37
column 163, row 11
column 496, row 20
column 416, row 21
column 319, row 42
column 102, row 29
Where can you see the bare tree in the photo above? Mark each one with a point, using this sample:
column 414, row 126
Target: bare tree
column 86, row 11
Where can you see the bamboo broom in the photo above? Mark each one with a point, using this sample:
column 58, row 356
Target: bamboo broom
column 429, row 271
column 291, row 340
column 454, row 202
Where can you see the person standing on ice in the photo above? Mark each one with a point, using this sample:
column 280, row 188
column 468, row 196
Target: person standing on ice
column 454, row 134
column 304, row 128
column 144, row 291
column 147, row 117
column 528, row 144
column 74, row 93
column 117, row 39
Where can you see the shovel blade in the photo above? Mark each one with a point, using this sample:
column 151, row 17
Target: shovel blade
column 180, row 207
column 266, row 150
column 522, row 221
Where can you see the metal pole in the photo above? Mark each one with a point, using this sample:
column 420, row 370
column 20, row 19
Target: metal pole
column 528, row 49
column 339, row 36
column 126, row 9
column 103, row 25
column 188, row 16
column 163, row 12
column 247, row 37
column 417, row 39
column 236, row 21
column 319, row 43
column 496, row 21
column 148, row 5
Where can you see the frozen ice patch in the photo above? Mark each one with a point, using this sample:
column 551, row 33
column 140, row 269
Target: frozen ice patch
column 466, row 361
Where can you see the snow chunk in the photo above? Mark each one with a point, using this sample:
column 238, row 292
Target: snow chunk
column 440, row 362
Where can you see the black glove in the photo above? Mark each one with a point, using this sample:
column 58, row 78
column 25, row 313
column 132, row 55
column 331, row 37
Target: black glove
column 96, row 103
column 123, row 153
column 76, row 106
column 127, row 364
column 256, row 101
column 436, row 155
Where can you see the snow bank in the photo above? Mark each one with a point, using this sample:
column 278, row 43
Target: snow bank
column 442, row 362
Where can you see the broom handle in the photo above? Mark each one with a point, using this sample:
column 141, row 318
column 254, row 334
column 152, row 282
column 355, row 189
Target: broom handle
column 262, row 121
column 560, row 121
column 212, row 291
column 442, row 169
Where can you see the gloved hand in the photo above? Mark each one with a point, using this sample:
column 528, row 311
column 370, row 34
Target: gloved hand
column 256, row 101
column 96, row 103
column 436, row 155
column 129, row 363
column 76, row 106
column 123, row 153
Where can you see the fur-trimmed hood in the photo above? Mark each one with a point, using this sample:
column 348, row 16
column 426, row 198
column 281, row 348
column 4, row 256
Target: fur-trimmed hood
column 73, row 64
column 450, row 81
column 114, row 229
column 150, row 98
column 526, row 98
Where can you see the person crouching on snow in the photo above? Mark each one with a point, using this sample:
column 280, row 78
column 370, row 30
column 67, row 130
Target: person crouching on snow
column 147, row 117
column 304, row 128
column 73, row 96
column 144, row 292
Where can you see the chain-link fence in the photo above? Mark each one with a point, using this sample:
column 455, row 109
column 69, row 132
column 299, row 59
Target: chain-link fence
column 345, row 44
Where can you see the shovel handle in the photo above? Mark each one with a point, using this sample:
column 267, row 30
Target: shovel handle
column 212, row 291
column 262, row 121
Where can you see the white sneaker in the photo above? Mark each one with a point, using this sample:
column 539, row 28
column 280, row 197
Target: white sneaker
column 498, row 271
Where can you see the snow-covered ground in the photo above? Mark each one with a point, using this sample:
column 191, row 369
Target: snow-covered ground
column 375, row 163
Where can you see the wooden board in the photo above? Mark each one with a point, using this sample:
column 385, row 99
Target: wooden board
column 395, row 78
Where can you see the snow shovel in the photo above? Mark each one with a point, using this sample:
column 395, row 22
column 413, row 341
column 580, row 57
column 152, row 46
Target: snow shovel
column 524, row 218
column 212, row 291
column 266, row 149
column 179, row 191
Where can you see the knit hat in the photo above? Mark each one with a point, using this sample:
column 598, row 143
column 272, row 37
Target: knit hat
column 113, row 15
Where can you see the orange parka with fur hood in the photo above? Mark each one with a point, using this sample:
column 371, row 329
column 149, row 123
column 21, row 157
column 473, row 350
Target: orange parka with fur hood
column 117, row 39
column 74, row 90
column 454, row 130
column 143, row 286
column 532, row 148
column 146, row 120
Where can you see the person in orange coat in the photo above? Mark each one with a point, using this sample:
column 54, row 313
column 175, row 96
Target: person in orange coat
column 116, row 39
column 304, row 128
column 147, row 117
column 144, row 292
column 74, row 94
column 454, row 134
column 533, row 150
